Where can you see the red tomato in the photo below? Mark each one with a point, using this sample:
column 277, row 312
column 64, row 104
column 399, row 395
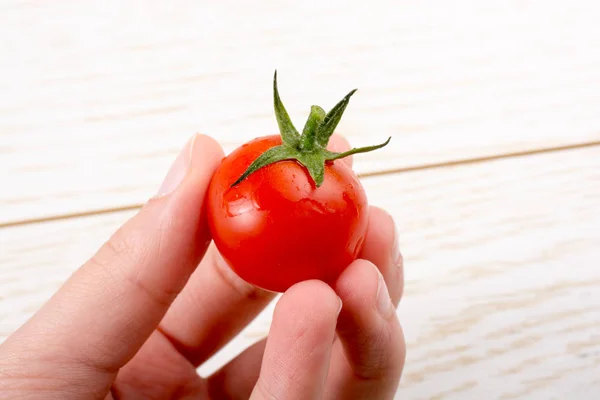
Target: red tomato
column 284, row 209
column 276, row 228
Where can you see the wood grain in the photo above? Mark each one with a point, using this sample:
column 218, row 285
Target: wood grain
column 502, row 275
column 97, row 98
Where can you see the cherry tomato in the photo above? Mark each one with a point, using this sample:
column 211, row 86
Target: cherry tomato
column 283, row 209
column 275, row 228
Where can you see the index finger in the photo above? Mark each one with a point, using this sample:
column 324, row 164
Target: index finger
column 297, row 353
column 216, row 304
column 108, row 308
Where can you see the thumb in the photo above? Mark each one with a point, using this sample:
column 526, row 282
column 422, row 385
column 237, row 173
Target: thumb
column 110, row 306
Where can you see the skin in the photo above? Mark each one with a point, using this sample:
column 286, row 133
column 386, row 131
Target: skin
column 277, row 234
column 156, row 301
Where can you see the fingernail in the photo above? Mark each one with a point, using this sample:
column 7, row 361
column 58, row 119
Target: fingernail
column 396, row 246
column 335, row 336
column 178, row 170
column 384, row 302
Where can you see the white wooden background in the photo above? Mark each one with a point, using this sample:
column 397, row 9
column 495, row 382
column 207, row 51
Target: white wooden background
column 493, row 172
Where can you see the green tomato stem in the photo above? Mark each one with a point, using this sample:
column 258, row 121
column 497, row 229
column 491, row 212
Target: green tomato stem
column 308, row 140
column 310, row 148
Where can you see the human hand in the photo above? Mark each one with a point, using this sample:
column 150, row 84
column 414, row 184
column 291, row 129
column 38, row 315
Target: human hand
column 150, row 306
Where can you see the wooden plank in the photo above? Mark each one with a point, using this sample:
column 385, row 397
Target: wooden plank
column 502, row 296
column 502, row 278
column 96, row 101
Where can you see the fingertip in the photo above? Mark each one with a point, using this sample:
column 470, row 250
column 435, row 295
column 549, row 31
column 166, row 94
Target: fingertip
column 309, row 297
column 340, row 144
column 368, row 328
column 381, row 218
column 200, row 155
column 381, row 247
column 206, row 153
column 357, row 285
column 298, row 349
column 382, row 237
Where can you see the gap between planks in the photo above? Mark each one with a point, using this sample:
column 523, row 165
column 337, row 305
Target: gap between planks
column 444, row 164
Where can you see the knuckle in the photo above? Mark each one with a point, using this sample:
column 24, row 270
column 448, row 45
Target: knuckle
column 123, row 258
column 374, row 360
column 119, row 250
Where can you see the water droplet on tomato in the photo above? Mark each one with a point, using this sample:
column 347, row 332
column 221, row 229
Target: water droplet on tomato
column 349, row 203
column 317, row 206
column 239, row 206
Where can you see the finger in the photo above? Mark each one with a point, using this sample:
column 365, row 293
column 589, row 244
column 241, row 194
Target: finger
column 339, row 144
column 216, row 304
column 382, row 249
column 368, row 359
column 237, row 378
column 109, row 307
column 298, row 349
column 158, row 371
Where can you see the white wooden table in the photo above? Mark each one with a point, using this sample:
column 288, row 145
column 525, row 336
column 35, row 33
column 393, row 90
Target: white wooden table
column 493, row 172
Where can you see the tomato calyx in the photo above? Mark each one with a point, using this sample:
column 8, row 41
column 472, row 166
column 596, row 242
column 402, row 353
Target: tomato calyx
column 310, row 148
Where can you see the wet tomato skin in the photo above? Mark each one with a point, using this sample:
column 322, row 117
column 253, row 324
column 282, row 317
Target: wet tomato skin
column 276, row 228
